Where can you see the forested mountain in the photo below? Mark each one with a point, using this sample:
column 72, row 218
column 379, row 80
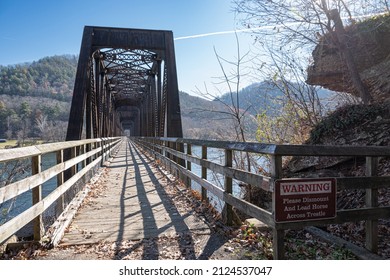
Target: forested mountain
column 268, row 96
column 35, row 98
column 276, row 111
column 51, row 77
column 35, row 101
column 255, row 98
column 205, row 119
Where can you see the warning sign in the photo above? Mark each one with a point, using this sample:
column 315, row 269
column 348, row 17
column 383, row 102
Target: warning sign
column 305, row 199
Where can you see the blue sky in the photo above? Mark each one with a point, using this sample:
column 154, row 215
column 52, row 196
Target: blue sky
column 31, row 30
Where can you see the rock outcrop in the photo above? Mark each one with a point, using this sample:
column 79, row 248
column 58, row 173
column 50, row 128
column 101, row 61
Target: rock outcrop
column 369, row 43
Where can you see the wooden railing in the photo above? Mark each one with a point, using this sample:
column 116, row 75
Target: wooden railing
column 74, row 160
column 170, row 151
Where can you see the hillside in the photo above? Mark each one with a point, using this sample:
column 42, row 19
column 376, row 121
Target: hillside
column 256, row 98
column 358, row 125
column 51, row 77
column 41, row 91
column 268, row 96
column 35, row 98
column 205, row 119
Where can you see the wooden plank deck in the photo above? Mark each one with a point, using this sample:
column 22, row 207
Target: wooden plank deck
column 133, row 206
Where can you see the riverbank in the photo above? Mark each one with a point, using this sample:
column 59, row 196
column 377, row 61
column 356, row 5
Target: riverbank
column 8, row 143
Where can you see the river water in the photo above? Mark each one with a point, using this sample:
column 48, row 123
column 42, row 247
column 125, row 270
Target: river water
column 217, row 156
column 14, row 207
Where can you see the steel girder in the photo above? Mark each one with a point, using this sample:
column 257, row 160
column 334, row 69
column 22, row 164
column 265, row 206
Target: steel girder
column 126, row 80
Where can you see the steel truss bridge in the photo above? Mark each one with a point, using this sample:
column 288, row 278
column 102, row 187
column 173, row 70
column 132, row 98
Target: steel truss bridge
column 126, row 81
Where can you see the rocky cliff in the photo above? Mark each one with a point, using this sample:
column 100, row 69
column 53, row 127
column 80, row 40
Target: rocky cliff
column 369, row 43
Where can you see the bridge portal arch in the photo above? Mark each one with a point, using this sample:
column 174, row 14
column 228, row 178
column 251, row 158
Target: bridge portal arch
column 126, row 80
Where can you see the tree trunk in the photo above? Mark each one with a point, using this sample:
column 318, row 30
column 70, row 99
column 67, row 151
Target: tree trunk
column 351, row 65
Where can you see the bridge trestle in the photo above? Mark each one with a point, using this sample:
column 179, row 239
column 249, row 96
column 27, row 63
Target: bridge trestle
column 126, row 83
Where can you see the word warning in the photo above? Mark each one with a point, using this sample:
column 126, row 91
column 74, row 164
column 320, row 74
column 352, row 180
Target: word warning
column 305, row 199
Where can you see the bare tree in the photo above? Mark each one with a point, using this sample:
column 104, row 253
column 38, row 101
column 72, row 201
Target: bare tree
column 286, row 72
column 299, row 22
column 42, row 124
column 294, row 26
column 341, row 39
column 22, row 134
column 234, row 112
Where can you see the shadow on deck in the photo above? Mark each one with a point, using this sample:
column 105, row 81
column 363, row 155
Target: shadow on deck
column 137, row 202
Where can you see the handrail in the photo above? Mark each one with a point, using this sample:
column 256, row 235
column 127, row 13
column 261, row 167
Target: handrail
column 284, row 149
column 30, row 151
column 81, row 152
column 241, row 175
column 170, row 151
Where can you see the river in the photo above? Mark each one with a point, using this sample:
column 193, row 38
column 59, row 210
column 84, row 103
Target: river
column 14, row 207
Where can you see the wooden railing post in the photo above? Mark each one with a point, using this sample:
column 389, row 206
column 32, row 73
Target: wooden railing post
column 189, row 152
column 102, row 149
column 153, row 144
column 88, row 149
column 228, row 188
column 110, row 146
column 73, row 154
column 60, row 180
column 79, row 151
column 164, row 153
column 107, row 149
column 158, row 144
column 204, row 174
column 36, row 198
column 84, row 151
column 178, row 147
column 154, row 147
column 95, row 146
column 278, row 234
column 372, row 201
column 171, row 157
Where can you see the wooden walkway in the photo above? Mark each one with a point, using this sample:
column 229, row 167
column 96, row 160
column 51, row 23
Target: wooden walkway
column 134, row 205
